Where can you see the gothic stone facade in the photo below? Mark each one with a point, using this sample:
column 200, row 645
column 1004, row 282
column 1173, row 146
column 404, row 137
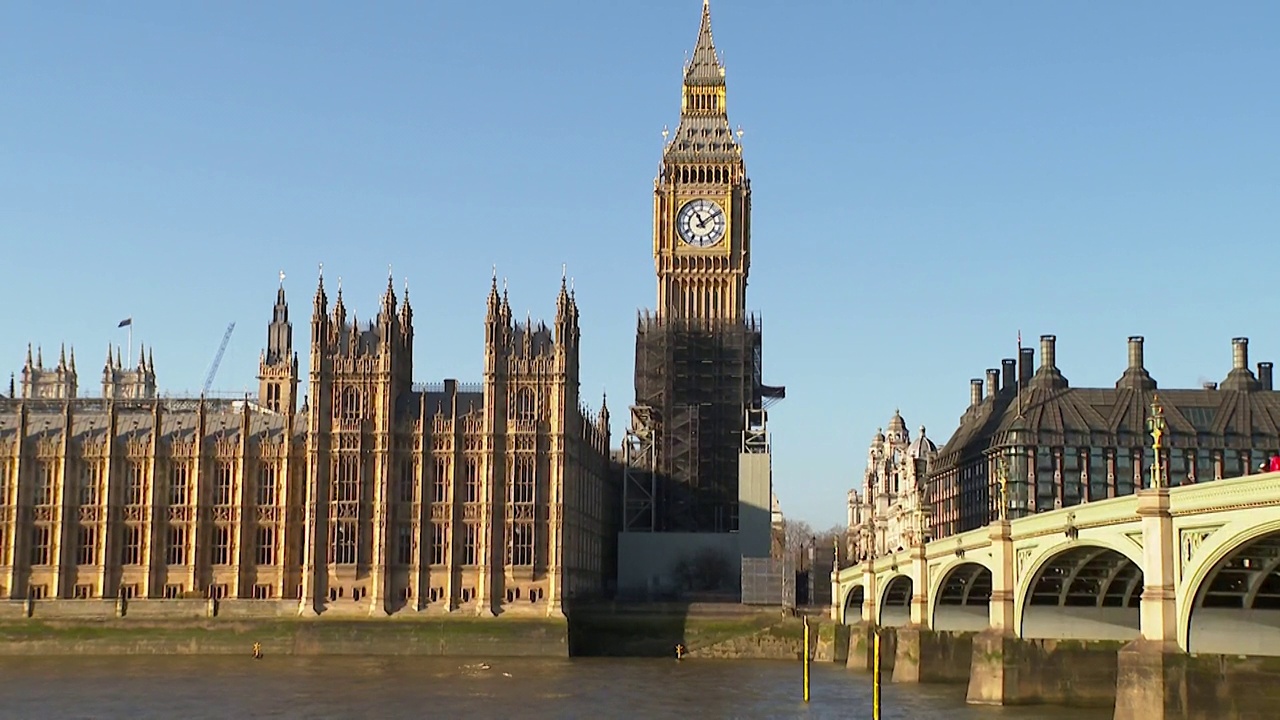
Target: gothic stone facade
column 374, row 496
column 1060, row 446
column 890, row 512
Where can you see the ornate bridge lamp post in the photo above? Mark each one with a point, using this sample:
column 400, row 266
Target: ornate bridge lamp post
column 1156, row 424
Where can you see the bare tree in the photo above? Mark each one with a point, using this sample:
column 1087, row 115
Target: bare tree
column 797, row 534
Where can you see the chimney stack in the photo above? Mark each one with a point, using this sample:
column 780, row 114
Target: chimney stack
column 1026, row 365
column 1240, row 378
column 1135, row 376
column 1264, row 375
column 1047, row 351
column 975, row 392
column 993, row 382
column 1239, row 353
column 1048, row 376
column 1009, row 367
column 1135, row 352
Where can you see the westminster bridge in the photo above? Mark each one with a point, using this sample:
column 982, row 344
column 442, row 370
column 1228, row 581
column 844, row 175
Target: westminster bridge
column 1170, row 596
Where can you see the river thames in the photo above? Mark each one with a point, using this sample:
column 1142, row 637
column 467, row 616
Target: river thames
column 347, row 687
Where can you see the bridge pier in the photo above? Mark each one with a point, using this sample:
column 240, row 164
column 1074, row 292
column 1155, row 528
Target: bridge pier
column 923, row 655
column 1151, row 672
column 862, row 648
column 993, row 675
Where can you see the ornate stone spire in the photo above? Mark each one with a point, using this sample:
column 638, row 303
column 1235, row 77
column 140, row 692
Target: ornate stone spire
column 704, row 132
column 704, row 66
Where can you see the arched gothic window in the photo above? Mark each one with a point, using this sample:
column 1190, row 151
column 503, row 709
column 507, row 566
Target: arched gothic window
column 347, row 404
column 526, row 404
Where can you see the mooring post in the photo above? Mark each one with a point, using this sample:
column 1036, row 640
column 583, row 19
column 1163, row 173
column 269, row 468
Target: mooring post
column 875, row 674
column 805, row 658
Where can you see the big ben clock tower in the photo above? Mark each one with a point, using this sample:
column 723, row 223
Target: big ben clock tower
column 699, row 396
column 702, row 201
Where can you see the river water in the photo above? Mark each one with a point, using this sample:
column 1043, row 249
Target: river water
column 353, row 688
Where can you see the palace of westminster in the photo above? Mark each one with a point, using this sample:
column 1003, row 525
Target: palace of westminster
column 350, row 488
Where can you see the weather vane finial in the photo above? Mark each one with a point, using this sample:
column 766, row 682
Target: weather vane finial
column 281, row 278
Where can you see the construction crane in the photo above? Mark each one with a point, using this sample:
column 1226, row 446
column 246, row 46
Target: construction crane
column 217, row 359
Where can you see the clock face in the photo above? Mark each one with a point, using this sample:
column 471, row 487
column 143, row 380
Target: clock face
column 701, row 223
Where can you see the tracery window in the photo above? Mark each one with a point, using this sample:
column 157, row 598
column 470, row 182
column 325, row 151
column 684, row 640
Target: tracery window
column 473, row 480
column 439, row 543
column 40, row 544
column 407, row 477
column 86, row 545
column 266, row 545
column 178, row 483
column 46, row 476
column 520, row 545
column 526, row 404
column 471, row 545
column 176, row 546
column 226, row 484
column 132, row 554
column 221, row 545
column 346, row 486
column 404, row 544
column 267, row 485
column 90, row 482
column 523, row 480
column 344, row 537
column 348, row 404
column 441, row 481
column 137, row 485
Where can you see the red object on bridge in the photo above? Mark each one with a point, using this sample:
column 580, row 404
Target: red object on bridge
column 1275, row 464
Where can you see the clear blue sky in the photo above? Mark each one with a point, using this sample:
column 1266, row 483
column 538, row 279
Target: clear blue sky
column 929, row 177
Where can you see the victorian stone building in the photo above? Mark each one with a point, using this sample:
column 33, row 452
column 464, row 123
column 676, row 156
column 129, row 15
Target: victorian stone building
column 1057, row 446
column 350, row 489
column 889, row 512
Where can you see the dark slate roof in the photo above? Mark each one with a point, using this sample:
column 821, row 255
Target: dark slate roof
column 1108, row 417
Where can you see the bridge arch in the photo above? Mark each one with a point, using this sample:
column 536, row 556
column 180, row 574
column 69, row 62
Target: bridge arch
column 1231, row 599
column 895, row 602
column 1081, row 590
column 962, row 599
column 852, row 607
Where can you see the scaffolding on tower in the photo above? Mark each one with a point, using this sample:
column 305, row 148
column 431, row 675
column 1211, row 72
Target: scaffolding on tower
column 700, row 402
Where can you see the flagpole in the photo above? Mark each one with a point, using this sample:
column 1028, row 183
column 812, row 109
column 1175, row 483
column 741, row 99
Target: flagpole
column 129, row 362
column 1019, row 373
